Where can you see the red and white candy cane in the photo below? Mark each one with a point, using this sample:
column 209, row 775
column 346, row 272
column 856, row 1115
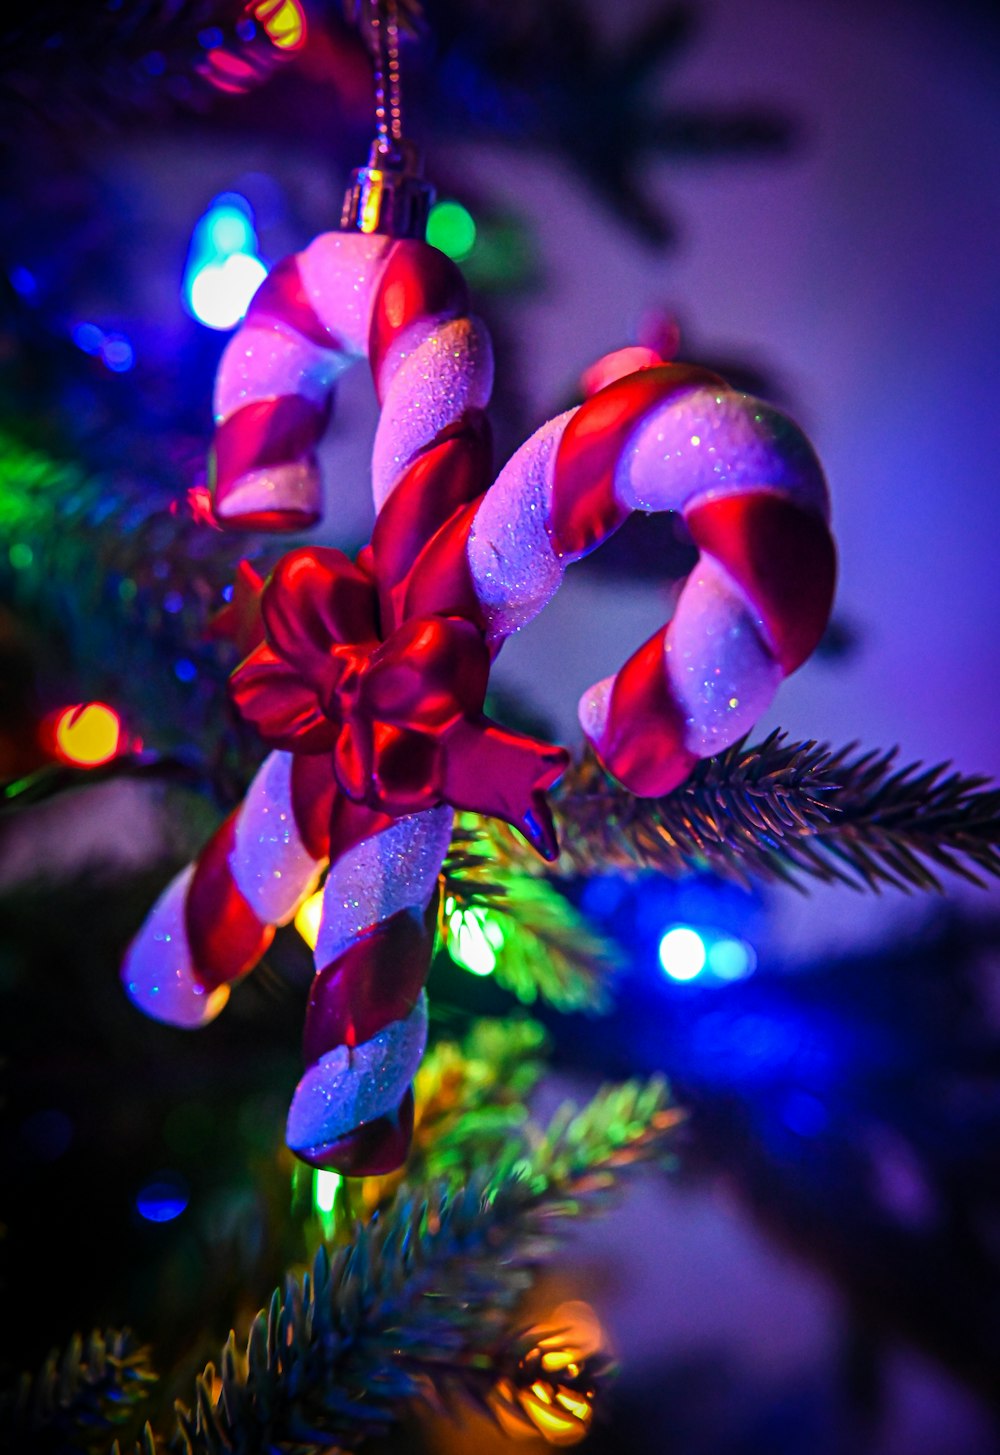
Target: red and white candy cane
column 347, row 296
column 371, row 676
column 753, row 497
column 402, row 304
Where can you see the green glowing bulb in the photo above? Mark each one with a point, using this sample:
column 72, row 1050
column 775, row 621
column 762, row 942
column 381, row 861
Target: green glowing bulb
column 325, row 1186
column 474, row 940
column 451, row 229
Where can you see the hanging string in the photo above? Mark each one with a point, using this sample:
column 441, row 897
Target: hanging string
column 390, row 194
column 383, row 26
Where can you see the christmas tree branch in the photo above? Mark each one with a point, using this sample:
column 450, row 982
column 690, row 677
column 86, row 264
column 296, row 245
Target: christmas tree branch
column 471, row 1099
column 544, row 948
column 81, row 1397
column 420, row 1305
column 773, row 811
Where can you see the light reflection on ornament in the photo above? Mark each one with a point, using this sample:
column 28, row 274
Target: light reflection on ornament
column 731, row 959
column 23, row 282
column 117, row 353
column 219, row 293
column 229, row 228
column 685, row 953
column 682, row 953
column 88, row 337
column 114, row 349
column 86, row 735
column 325, row 1188
column 223, row 271
column 551, row 1389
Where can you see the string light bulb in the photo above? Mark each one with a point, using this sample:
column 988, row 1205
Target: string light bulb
column 553, row 1379
column 86, row 735
column 475, row 937
column 223, row 270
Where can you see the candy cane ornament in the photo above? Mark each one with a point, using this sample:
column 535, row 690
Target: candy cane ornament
column 348, row 789
column 369, row 677
column 752, row 494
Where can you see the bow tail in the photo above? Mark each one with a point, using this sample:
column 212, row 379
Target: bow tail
column 491, row 769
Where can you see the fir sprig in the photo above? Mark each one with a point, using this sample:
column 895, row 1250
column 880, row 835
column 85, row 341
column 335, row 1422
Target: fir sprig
column 471, row 1098
column 81, row 1396
column 420, row 1305
column 777, row 810
column 550, row 952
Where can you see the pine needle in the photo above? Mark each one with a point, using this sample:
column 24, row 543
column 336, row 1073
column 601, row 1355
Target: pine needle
column 778, row 810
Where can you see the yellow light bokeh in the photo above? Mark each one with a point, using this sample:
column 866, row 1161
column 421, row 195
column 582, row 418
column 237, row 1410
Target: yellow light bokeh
column 284, row 21
column 308, row 917
column 88, row 734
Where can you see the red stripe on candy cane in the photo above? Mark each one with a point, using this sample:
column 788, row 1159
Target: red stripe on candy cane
column 453, row 470
column 754, row 501
column 376, row 980
column 416, row 282
column 783, row 557
column 267, row 433
column 282, row 298
column 643, row 740
column 366, row 1022
column 372, row 1149
column 585, row 509
column 217, row 917
column 321, row 304
column 226, row 937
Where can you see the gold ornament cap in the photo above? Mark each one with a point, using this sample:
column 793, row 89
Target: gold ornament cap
column 390, row 195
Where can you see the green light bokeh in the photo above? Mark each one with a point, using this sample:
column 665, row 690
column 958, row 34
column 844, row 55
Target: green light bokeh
column 451, row 229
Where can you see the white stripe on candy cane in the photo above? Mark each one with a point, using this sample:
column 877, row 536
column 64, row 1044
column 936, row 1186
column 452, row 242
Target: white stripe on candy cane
column 271, row 868
column 393, row 870
column 396, row 869
column 157, row 972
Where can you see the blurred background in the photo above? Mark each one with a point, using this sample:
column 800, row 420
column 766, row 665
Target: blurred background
column 802, row 196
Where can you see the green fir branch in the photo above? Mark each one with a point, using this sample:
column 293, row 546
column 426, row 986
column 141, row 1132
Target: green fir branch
column 80, row 1398
column 777, row 810
column 550, row 952
column 421, row 1305
column 472, row 1098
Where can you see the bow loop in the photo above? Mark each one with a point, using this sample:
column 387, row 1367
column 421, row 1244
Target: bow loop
column 402, row 719
column 431, row 671
column 316, row 600
column 272, row 694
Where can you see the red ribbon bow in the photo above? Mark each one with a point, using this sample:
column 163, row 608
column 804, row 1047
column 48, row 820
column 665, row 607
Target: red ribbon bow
column 402, row 718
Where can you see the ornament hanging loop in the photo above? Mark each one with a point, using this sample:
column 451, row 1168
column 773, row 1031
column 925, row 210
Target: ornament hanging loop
column 388, row 196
